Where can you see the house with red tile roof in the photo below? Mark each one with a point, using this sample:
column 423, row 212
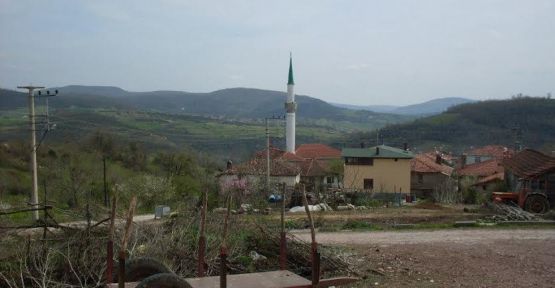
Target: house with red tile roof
column 535, row 167
column 320, row 166
column 482, row 167
column 250, row 177
column 428, row 174
column 484, row 176
column 485, row 153
column 311, row 164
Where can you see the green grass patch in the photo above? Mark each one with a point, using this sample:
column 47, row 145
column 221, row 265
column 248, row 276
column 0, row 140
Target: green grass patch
column 361, row 225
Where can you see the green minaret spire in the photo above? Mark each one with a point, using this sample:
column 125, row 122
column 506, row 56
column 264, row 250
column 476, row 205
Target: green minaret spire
column 290, row 81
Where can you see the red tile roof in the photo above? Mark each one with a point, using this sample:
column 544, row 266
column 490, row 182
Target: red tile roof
column 481, row 169
column 274, row 153
column 308, row 159
column 530, row 163
column 444, row 156
column 313, row 167
column 317, row 151
column 426, row 163
column 496, row 151
column 491, row 178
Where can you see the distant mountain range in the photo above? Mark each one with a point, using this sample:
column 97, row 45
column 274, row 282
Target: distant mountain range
column 241, row 104
column 431, row 107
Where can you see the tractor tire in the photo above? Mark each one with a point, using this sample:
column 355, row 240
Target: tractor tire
column 536, row 204
column 138, row 269
column 164, row 280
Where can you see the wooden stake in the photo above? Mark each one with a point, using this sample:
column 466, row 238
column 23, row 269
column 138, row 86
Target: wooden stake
column 283, row 237
column 127, row 233
column 314, row 246
column 110, row 244
column 202, row 238
column 223, row 248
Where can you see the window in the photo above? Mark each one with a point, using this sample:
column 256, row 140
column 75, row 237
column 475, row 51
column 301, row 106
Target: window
column 420, row 178
column 359, row 161
column 329, row 180
column 368, row 184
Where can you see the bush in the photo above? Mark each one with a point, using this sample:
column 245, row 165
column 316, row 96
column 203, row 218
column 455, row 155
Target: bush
column 469, row 195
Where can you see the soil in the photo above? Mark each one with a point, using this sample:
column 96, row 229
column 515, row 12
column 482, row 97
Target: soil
column 406, row 215
column 451, row 258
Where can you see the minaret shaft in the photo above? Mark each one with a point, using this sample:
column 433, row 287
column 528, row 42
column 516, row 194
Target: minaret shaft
column 290, row 109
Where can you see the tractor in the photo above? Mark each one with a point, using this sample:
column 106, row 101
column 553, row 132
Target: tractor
column 533, row 195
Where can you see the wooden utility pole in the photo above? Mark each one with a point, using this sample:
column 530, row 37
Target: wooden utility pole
column 267, row 119
column 35, row 192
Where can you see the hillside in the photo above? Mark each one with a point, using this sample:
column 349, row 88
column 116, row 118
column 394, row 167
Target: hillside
column 431, row 107
column 480, row 123
column 241, row 104
column 222, row 139
column 434, row 106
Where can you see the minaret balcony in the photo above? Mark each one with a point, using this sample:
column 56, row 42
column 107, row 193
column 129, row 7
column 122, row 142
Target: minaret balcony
column 291, row 107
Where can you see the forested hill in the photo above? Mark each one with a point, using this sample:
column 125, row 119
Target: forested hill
column 530, row 120
column 234, row 103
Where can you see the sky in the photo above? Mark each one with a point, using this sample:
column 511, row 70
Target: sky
column 389, row 52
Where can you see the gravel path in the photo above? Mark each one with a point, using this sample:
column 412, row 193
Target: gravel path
column 499, row 258
column 467, row 236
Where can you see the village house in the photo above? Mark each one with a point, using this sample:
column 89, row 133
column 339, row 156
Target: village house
column 485, row 153
column 250, row 177
column 311, row 164
column 320, row 166
column 381, row 169
column 482, row 167
column 428, row 174
column 534, row 166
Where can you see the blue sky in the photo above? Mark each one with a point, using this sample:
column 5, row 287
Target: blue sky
column 357, row 52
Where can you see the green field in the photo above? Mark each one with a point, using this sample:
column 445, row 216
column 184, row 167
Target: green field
column 160, row 131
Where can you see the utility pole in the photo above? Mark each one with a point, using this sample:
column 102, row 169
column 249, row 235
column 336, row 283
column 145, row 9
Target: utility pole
column 267, row 157
column 35, row 193
column 268, row 149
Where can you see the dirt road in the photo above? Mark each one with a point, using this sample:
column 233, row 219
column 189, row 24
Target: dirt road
column 77, row 224
column 450, row 258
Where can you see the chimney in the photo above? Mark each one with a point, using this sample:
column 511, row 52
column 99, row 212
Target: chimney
column 377, row 150
column 229, row 165
column 462, row 161
column 438, row 158
column 405, row 146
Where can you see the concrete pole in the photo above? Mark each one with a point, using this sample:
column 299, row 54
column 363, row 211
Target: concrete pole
column 267, row 158
column 35, row 187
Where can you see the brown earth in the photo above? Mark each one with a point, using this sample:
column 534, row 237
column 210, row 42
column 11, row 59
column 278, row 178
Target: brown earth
column 451, row 258
column 426, row 214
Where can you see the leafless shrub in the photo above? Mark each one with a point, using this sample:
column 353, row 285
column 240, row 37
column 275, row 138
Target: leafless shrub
column 447, row 192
